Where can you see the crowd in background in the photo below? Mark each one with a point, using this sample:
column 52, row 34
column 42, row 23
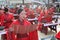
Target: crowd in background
column 8, row 20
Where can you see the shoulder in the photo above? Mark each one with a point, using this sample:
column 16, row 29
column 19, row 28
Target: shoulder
column 11, row 14
column 15, row 22
column 27, row 22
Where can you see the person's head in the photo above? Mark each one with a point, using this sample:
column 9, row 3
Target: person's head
column 22, row 16
column 5, row 10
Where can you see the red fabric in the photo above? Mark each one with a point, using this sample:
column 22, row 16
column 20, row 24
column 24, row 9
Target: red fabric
column 11, row 36
column 45, row 13
column 12, row 10
column 25, row 23
column 40, row 19
column 40, row 27
column 41, row 15
column 30, row 13
column 26, row 9
column 32, row 35
column 52, row 9
column 2, row 17
column 58, row 35
column 8, row 18
column 49, row 17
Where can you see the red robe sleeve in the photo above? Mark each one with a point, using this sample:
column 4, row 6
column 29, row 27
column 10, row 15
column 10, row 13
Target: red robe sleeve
column 8, row 20
column 28, row 13
column 32, row 35
column 10, row 17
column 26, row 23
column 58, row 35
column 2, row 17
column 41, row 15
column 26, row 28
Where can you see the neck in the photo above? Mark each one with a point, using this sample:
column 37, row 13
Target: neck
column 21, row 21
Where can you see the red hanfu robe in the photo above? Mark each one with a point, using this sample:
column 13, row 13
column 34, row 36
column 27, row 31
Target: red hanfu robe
column 58, row 36
column 2, row 17
column 12, row 10
column 48, row 16
column 30, row 36
column 8, row 19
column 26, row 9
column 40, row 18
column 30, row 14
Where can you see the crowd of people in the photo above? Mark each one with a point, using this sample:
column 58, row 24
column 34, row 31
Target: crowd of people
column 20, row 28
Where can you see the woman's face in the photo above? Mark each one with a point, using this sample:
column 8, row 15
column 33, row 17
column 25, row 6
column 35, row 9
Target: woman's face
column 22, row 16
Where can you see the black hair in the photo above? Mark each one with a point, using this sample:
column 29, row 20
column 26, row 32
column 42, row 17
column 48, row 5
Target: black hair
column 5, row 9
column 0, row 9
column 19, row 11
column 20, row 5
column 57, row 6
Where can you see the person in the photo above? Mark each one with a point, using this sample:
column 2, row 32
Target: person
column 8, row 18
column 48, row 16
column 19, row 10
column 24, row 29
column 30, row 13
column 41, row 19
